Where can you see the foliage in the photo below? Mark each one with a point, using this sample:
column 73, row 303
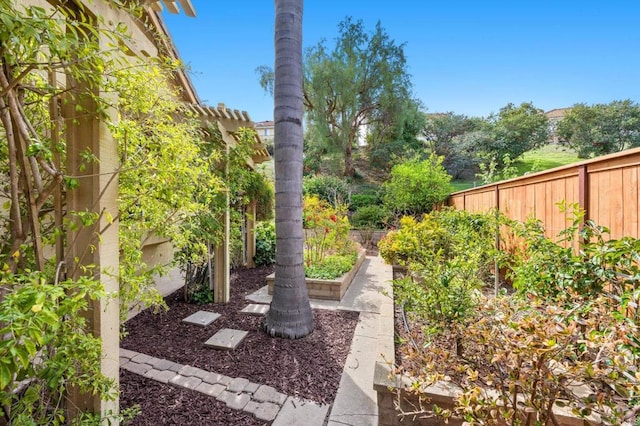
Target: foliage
column 364, row 200
column 449, row 255
column 416, row 187
column 491, row 172
column 448, row 135
column 396, row 136
column 371, row 217
column 331, row 266
column 166, row 183
column 516, row 130
column 525, row 359
column 265, row 244
column 326, row 230
column 567, row 339
column 362, row 81
column 328, row 188
column 601, row 128
column 46, row 349
column 584, row 261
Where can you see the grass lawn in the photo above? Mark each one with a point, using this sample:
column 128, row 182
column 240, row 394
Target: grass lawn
column 545, row 158
column 537, row 160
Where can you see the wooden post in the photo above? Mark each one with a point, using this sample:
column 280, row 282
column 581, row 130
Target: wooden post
column 97, row 192
column 221, row 284
column 251, row 234
column 496, row 282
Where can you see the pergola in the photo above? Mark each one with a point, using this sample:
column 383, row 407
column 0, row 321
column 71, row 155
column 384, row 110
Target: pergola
column 99, row 191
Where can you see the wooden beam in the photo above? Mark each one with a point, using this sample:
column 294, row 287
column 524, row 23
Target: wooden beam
column 188, row 8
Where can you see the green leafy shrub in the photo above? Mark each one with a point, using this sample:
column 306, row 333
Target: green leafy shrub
column 328, row 188
column 569, row 338
column 524, row 358
column 416, row 187
column 359, row 201
column 265, row 244
column 550, row 269
column 371, row 217
column 46, row 349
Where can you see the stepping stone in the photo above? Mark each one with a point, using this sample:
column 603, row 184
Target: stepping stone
column 227, row 338
column 201, row 318
column 255, row 309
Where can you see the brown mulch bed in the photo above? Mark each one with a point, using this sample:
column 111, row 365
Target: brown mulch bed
column 309, row 368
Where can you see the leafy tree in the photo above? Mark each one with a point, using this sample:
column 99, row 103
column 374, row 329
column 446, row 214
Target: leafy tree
column 516, row 130
column 602, row 128
column 456, row 137
column 416, row 186
column 396, row 137
column 361, row 84
column 290, row 314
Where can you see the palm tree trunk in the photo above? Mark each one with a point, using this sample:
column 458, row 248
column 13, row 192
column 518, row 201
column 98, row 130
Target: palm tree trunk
column 290, row 315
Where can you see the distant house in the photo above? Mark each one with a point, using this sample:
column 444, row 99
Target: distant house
column 265, row 131
column 555, row 116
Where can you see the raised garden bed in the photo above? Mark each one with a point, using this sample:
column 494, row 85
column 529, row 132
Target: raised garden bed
column 329, row 289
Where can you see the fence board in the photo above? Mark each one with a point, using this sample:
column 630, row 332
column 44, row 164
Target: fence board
column 609, row 186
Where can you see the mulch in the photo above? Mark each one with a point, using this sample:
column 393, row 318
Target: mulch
column 308, row 368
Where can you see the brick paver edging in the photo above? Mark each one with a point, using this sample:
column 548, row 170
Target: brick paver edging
column 263, row 402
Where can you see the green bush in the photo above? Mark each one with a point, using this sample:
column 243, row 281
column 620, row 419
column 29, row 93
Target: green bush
column 364, row 200
column 370, row 217
column 46, row 348
column 328, row 188
column 265, row 244
column 416, row 187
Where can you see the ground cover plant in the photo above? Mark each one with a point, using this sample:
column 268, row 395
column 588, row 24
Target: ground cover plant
column 567, row 338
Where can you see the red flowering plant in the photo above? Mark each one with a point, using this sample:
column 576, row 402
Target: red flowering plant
column 327, row 243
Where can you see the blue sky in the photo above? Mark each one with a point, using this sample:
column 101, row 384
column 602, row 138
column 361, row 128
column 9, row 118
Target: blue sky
column 470, row 57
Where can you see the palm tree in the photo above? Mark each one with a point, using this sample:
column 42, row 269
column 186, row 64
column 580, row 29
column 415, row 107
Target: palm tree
column 290, row 315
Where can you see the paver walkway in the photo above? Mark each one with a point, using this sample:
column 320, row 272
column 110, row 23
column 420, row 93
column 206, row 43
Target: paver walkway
column 355, row 402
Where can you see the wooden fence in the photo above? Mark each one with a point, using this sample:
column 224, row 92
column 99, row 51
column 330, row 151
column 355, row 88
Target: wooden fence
column 607, row 188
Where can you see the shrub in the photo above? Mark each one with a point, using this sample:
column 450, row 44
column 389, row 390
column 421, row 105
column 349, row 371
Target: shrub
column 523, row 357
column 46, row 349
column 371, row 217
column 364, row 200
column 265, row 244
column 550, row 269
column 328, row 188
column 416, row 187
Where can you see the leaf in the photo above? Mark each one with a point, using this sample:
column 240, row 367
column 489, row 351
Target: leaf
column 6, row 377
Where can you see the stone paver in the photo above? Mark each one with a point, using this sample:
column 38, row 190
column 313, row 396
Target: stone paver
column 163, row 376
column 237, row 385
column 163, row 364
column 295, row 412
column 267, row 411
column 237, row 401
column 251, row 388
column 209, row 389
column 141, row 358
column 134, row 367
column 255, row 309
column 125, row 353
column 268, row 394
column 186, row 382
column 227, row 339
column 201, row 318
column 190, row 371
